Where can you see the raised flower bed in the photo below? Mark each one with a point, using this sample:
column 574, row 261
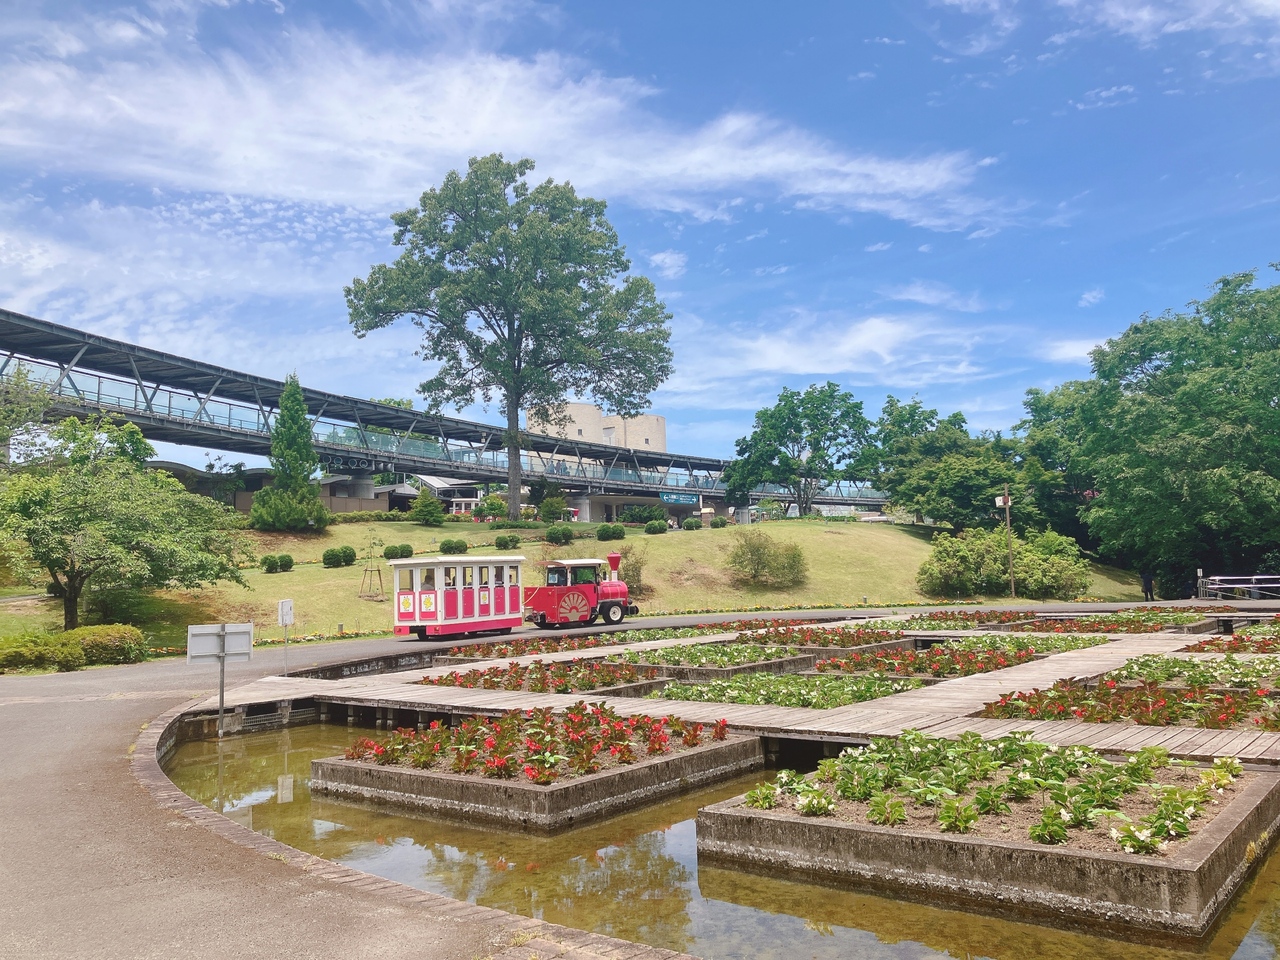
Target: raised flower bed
column 1145, row 704
column 1012, row 824
column 790, row 690
column 537, row 770
column 955, row 620
column 576, row 676
column 704, row 661
column 528, row 646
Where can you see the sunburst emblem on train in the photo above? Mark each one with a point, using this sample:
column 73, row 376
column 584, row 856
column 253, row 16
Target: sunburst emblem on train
column 574, row 605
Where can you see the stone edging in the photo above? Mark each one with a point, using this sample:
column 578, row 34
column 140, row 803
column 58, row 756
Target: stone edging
column 145, row 765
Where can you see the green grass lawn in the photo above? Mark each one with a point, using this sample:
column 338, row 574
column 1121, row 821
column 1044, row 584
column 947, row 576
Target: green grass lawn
column 685, row 571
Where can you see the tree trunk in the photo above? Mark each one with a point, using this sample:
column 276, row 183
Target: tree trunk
column 513, row 460
column 71, row 604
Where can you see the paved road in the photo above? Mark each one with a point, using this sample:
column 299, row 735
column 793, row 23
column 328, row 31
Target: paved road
column 91, row 867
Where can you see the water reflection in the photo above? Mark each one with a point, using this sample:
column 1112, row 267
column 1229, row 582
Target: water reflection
column 637, row 877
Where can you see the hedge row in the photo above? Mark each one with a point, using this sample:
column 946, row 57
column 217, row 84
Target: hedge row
column 84, row 646
column 276, row 563
column 338, row 557
column 397, row 551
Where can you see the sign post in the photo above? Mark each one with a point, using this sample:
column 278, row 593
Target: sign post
column 207, row 642
column 1008, row 532
column 284, row 617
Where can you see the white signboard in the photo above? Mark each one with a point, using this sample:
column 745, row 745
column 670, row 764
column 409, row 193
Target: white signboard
column 207, row 641
column 1002, row 501
column 284, row 613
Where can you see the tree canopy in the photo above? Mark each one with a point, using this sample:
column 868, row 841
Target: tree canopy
column 804, row 442
column 1177, row 435
column 521, row 293
column 23, row 402
column 91, row 512
column 292, row 502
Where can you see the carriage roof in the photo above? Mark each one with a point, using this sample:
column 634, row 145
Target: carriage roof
column 456, row 559
column 583, row 562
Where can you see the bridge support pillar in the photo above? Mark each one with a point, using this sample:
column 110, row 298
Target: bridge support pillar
column 583, row 506
column 361, row 485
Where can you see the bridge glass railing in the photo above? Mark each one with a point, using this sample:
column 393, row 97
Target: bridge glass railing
column 101, row 391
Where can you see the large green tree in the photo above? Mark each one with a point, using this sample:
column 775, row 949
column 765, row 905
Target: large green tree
column 521, row 293
column 804, row 442
column 1181, row 437
column 23, row 402
column 292, row 502
column 91, row 512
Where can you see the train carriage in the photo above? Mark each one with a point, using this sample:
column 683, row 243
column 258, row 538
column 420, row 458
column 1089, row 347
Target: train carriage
column 445, row 596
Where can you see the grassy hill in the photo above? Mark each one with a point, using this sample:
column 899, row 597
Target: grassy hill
column 685, row 570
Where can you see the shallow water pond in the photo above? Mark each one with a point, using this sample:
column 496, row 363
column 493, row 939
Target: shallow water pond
column 637, row 876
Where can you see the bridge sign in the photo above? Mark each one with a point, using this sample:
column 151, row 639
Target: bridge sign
column 681, row 498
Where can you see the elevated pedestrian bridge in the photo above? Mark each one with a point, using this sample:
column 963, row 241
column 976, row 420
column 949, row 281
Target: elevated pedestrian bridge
column 178, row 400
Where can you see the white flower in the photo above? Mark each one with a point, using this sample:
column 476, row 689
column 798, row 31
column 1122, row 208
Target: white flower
column 1066, row 817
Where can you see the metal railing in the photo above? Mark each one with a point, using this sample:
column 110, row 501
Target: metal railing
column 1261, row 587
column 97, row 391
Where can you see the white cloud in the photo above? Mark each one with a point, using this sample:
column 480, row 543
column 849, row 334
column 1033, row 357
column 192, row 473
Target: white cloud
column 313, row 115
column 669, row 263
column 925, row 247
column 1068, row 351
column 1092, row 297
column 1148, row 20
column 885, row 40
column 1001, row 20
column 1104, row 97
column 877, row 247
column 933, row 294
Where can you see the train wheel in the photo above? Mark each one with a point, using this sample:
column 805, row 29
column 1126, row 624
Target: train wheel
column 504, row 631
column 613, row 613
column 543, row 625
column 594, row 617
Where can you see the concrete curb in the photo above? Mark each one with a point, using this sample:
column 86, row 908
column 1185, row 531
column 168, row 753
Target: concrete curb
column 144, row 763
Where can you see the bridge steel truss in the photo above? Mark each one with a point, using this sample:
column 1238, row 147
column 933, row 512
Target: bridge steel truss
column 183, row 401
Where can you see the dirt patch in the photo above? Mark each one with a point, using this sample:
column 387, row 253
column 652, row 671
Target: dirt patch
column 690, row 572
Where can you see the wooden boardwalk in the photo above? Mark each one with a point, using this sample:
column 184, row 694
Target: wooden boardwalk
column 945, row 709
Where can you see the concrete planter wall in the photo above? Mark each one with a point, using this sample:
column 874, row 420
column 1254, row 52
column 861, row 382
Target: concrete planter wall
column 1176, row 897
column 528, row 806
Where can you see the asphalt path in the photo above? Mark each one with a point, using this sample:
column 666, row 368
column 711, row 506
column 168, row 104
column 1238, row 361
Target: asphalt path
column 91, row 866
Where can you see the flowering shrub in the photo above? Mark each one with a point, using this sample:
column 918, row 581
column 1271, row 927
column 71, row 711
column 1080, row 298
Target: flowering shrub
column 935, row 662
column 952, row 785
column 525, row 646
column 812, row 636
column 706, row 655
column 954, row 619
column 1148, row 704
column 789, row 690
column 540, row 745
column 572, row 677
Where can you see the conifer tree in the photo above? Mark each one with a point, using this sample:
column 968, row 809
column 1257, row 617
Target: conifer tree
column 292, row 502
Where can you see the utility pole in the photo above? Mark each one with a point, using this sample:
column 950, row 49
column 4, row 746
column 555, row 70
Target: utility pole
column 1008, row 533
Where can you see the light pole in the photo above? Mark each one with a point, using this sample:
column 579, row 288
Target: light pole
column 1008, row 533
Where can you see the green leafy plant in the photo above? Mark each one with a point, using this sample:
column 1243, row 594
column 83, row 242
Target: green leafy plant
column 655, row 526
column 815, row 803
column 719, row 523
column 763, row 797
column 1052, row 828
column 957, row 816
column 270, row 563
column 285, row 562
column 886, row 810
column 692, row 523
column 453, row 547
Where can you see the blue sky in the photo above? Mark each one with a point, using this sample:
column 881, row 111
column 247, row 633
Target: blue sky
column 952, row 199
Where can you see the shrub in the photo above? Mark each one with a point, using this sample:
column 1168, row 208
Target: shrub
column 331, row 557
column 391, row 552
column 642, row 513
column 278, row 509
column 719, row 523
column 406, row 551
column 457, row 518
column 631, row 568
column 976, row 563
column 43, row 652
column 552, row 509
column 560, row 533
column 692, row 523
column 270, row 563
column 109, row 643
column 285, row 561
column 611, row 531
column 760, row 561
column 655, row 526
column 427, row 510
column 348, row 555
column 453, row 546
column 371, row 516
column 507, row 541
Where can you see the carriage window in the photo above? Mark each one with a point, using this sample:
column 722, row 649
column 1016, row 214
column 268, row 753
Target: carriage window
column 450, row 577
column 428, row 575
column 513, row 576
column 468, row 576
column 584, row 575
column 497, row 576
column 557, row 577
column 484, row 576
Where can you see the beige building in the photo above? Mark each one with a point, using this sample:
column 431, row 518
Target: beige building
column 589, row 423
